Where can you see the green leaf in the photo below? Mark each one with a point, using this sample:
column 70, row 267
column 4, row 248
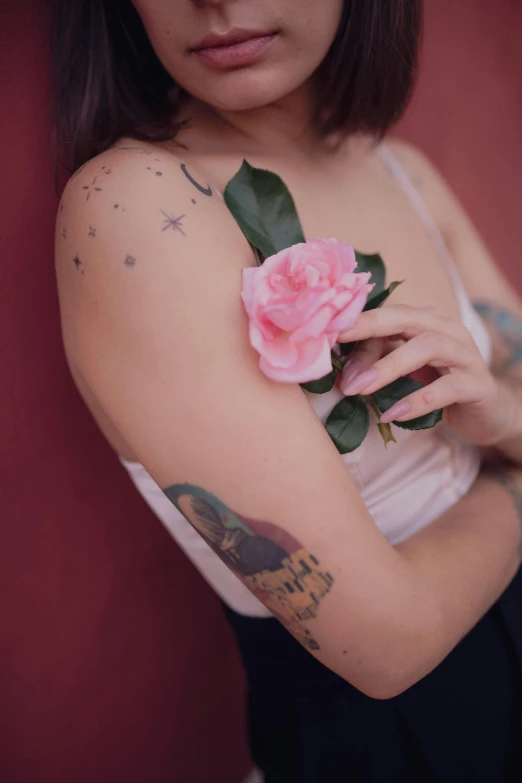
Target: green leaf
column 395, row 391
column 375, row 265
column 264, row 209
column 376, row 301
column 322, row 385
column 348, row 424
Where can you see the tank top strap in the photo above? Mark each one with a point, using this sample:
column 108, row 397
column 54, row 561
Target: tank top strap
column 419, row 205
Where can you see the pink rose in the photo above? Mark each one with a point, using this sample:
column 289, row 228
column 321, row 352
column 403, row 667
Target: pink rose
column 298, row 301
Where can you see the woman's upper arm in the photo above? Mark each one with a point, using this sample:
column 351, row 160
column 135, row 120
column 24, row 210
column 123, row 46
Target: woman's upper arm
column 491, row 293
column 154, row 322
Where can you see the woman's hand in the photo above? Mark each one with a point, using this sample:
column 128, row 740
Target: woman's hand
column 427, row 338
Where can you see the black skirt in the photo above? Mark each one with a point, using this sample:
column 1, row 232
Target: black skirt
column 460, row 724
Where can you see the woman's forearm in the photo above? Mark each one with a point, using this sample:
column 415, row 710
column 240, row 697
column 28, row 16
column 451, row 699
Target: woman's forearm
column 461, row 564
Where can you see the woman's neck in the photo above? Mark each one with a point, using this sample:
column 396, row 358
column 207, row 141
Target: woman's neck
column 279, row 129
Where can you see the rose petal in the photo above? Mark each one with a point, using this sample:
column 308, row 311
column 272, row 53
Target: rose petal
column 314, row 362
column 280, row 352
column 248, row 287
column 348, row 317
column 314, row 327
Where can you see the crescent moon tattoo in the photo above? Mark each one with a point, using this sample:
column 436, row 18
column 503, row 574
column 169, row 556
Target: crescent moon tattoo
column 206, row 191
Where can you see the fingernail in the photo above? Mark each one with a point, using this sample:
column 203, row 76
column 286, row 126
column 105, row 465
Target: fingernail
column 395, row 412
column 351, row 369
column 360, row 382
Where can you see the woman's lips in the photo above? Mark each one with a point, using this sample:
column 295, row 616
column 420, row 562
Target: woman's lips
column 236, row 54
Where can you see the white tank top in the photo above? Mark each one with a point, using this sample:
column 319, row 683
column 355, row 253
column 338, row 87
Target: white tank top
column 404, row 490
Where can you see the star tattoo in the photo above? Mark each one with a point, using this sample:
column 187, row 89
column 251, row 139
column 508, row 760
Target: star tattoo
column 77, row 262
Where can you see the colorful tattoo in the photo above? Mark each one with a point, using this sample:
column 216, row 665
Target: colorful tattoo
column 508, row 327
column 269, row 561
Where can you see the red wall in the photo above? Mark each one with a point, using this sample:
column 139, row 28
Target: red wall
column 115, row 663
column 467, row 114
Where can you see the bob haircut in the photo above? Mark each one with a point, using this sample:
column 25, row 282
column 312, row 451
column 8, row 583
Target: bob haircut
column 107, row 81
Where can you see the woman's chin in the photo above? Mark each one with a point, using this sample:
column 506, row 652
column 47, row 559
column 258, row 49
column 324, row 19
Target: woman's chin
column 245, row 92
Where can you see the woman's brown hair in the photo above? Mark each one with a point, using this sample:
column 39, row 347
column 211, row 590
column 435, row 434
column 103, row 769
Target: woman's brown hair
column 108, row 81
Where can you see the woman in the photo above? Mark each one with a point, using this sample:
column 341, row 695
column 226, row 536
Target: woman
column 394, row 570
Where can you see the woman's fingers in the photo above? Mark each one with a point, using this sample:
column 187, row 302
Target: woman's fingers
column 404, row 320
column 428, row 348
column 445, row 391
column 362, row 359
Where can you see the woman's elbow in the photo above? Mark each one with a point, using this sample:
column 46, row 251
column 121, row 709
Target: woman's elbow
column 386, row 684
column 385, row 669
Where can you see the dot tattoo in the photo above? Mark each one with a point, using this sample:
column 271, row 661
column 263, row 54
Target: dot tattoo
column 193, row 200
column 206, row 191
column 159, row 173
column 173, row 222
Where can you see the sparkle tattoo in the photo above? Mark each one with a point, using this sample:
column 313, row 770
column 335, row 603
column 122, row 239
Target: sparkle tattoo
column 91, row 188
column 173, row 222
column 269, row 561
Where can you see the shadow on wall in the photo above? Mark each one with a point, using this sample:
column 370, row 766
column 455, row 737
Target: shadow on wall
column 115, row 662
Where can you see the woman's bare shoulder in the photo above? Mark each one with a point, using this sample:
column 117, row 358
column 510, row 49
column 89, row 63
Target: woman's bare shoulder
column 131, row 193
column 136, row 220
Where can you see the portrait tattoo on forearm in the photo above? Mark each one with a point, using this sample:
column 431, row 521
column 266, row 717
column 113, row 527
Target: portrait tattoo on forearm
column 508, row 326
column 269, row 561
